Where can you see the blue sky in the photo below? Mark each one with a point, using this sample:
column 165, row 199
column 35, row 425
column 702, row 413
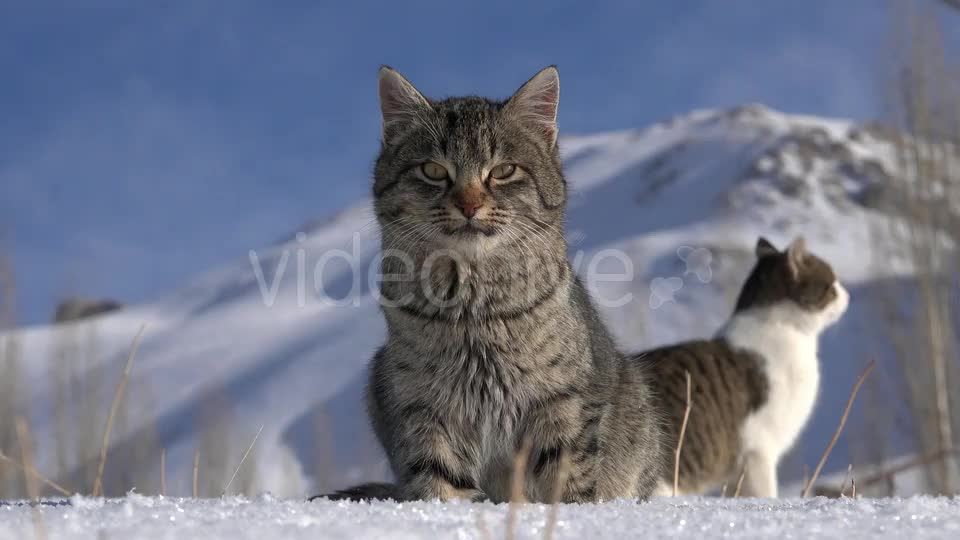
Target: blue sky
column 142, row 142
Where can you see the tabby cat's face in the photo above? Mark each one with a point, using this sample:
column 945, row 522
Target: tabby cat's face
column 797, row 280
column 469, row 173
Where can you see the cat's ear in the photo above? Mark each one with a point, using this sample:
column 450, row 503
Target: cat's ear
column 796, row 251
column 765, row 248
column 400, row 102
column 536, row 102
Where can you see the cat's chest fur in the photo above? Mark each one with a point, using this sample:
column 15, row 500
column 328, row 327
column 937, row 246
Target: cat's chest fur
column 788, row 361
column 485, row 351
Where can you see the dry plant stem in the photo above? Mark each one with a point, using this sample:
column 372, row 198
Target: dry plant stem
column 743, row 473
column 196, row 474
column 163, row 472
column 563, row 471
column 117, row 397
column 482, row 527
column 683, row 432
column 8, row 287
column 888, row 474
column 917, row 462
column 806, row 477
column 26, row 454
column 836, row 434
column 36, row 474
column 244, row 458
column 516, row 488
column 848, row 476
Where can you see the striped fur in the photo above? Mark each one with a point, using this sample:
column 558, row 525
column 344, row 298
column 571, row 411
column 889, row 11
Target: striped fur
column 728, row 385
column 492, row 341
column 755, row 384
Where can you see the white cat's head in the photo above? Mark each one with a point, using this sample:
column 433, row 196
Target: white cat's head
column 793, row 285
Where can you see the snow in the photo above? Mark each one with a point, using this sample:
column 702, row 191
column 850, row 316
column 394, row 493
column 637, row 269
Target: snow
column 145, row 518
column 286, row 355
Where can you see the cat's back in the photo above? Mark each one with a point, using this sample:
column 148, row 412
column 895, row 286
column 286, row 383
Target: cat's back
column 727, row 385
column 715, row 366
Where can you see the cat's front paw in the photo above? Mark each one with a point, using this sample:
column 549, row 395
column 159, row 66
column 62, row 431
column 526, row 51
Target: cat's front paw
column 479, row 497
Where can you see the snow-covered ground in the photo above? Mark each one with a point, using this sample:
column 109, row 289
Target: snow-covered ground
column 683, row 201
column 143, row 518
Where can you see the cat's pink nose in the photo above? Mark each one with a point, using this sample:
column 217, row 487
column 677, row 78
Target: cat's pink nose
column 469, row 201
column 469, row 207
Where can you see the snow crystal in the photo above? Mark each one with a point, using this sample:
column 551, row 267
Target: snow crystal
column 686, row 517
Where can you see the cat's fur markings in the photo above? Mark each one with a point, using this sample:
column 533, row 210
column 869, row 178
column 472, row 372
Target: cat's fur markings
column 772, row 338
column 495, row 342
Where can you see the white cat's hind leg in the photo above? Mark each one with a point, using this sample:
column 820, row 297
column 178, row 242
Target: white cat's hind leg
column 760, row 475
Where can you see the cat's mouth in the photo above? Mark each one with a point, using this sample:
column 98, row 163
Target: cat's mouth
column 473, row 228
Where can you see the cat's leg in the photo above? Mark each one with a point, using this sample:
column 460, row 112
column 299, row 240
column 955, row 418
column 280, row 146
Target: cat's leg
column 432, row 465
column 760, row 475
column 438, row 484
column 570, row 477
column 423, row 452
column 632, row 448
column 591, row 458
column 562, row 442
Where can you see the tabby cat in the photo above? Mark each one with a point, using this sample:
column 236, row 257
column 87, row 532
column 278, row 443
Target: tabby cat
column 493, row 344
column 755, row 384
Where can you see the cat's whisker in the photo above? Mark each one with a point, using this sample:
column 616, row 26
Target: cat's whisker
column 525, row 245
column 395, row 230
column 538, row 236
column 406, row 232
column 416, row 233
column 525, row 248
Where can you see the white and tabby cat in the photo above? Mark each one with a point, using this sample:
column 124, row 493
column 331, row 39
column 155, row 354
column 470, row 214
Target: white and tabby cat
column 755, row 384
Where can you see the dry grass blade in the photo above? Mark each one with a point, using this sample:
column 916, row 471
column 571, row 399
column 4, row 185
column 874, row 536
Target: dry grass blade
column 516, row 488
column 196, row 474
column 836, row 434
column 743, row 473
column 563, row 470
column 806, row 477
column 114, row 406
column 163, row 472
column 683, row 432
column 26, row 455
column 913, row 463
column 8, row 289
column 244, row 458
column 482, row 527
column 887, row 475
column 36, row 474
column 30, row 481
column 848, row 476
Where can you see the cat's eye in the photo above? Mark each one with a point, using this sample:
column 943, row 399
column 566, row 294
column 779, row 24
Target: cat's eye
column 503, row 171
column 434, row 171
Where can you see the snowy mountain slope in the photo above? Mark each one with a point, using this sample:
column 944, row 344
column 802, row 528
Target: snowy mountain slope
column 683, row 201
